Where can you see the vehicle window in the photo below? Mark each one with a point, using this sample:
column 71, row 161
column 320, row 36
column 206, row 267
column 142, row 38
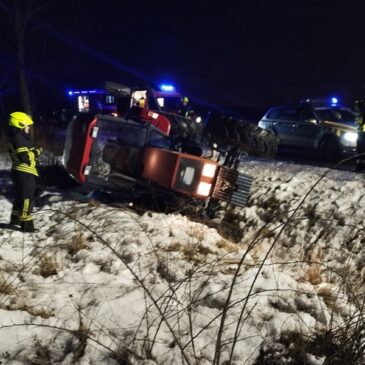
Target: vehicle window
column 306, row 114
column 289, row 114
column 326, row 114
column 346, row 115
column 273, row 114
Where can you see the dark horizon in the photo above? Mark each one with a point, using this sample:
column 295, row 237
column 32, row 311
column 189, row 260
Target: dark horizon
column 255, row 55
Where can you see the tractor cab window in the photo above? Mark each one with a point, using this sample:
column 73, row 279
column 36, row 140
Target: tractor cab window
column 132, row 135
column 119, row 148
column 188, row 175
column 159, row 140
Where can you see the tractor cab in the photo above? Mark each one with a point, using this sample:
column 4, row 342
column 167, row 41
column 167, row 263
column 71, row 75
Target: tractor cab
column 133, row 158
column 134, row 140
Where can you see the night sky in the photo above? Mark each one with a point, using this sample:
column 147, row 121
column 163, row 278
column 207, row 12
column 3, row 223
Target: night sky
column 235, row 53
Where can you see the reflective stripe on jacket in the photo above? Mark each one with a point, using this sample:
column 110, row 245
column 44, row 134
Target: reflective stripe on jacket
column 23, row 154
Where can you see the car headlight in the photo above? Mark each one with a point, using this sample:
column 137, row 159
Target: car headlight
column 350, row 137
column 204, row 189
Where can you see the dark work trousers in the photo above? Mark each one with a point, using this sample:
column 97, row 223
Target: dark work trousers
column 24, row 187
column 361, row 144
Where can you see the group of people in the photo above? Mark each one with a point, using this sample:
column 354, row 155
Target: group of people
column 24, row 157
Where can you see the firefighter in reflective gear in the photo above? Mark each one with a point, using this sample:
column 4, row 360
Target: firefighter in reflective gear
column 359, row 108
column 141, row 103
column 185, row 108
column 24, row 170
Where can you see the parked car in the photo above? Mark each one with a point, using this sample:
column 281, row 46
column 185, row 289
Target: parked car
column 330, row 130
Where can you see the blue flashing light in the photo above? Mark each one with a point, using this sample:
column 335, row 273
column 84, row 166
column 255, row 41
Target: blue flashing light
column 334, row 101
column 167, row 87
column 70, row 93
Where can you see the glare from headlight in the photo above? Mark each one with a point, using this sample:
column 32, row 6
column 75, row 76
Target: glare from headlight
column 350, row 137
column 198, row 119
column 209, row 170
column 204, row 189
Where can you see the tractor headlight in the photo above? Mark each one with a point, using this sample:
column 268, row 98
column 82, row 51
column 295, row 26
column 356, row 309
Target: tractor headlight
column 350, row 138
column 204, row 189
column 209, row 170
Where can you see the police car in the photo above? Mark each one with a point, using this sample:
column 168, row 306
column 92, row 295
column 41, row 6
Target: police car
column 326, row 128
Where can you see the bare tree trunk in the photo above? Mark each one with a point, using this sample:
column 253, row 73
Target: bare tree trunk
column 23, row 85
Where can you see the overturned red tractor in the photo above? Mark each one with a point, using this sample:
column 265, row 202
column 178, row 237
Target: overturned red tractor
column 134, row 142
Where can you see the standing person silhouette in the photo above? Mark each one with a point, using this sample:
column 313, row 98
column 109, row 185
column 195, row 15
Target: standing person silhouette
column 24, row 170
column 359, row 108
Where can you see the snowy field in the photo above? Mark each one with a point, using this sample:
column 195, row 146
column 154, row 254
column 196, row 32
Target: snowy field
column 99, row 284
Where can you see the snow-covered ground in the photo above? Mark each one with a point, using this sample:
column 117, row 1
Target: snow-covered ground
column 101, row 284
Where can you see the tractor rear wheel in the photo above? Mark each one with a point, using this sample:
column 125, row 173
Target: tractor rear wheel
column 258, row 141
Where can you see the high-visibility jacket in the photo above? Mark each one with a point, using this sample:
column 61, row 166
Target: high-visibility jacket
column 359, row 107
column 360, row 120
column 23, row 154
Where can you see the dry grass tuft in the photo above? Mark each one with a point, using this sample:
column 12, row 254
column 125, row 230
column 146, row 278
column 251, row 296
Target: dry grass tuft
column 48, row 266
column 174, row 247
column 313, row 274
column 43, row 354
column 228, row 246
column 196, row 252
column 82, row 334
column 78, row 243
column 5, row 287
column 197, row 233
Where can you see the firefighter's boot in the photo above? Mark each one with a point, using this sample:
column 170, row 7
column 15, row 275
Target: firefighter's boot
column 27, row 226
